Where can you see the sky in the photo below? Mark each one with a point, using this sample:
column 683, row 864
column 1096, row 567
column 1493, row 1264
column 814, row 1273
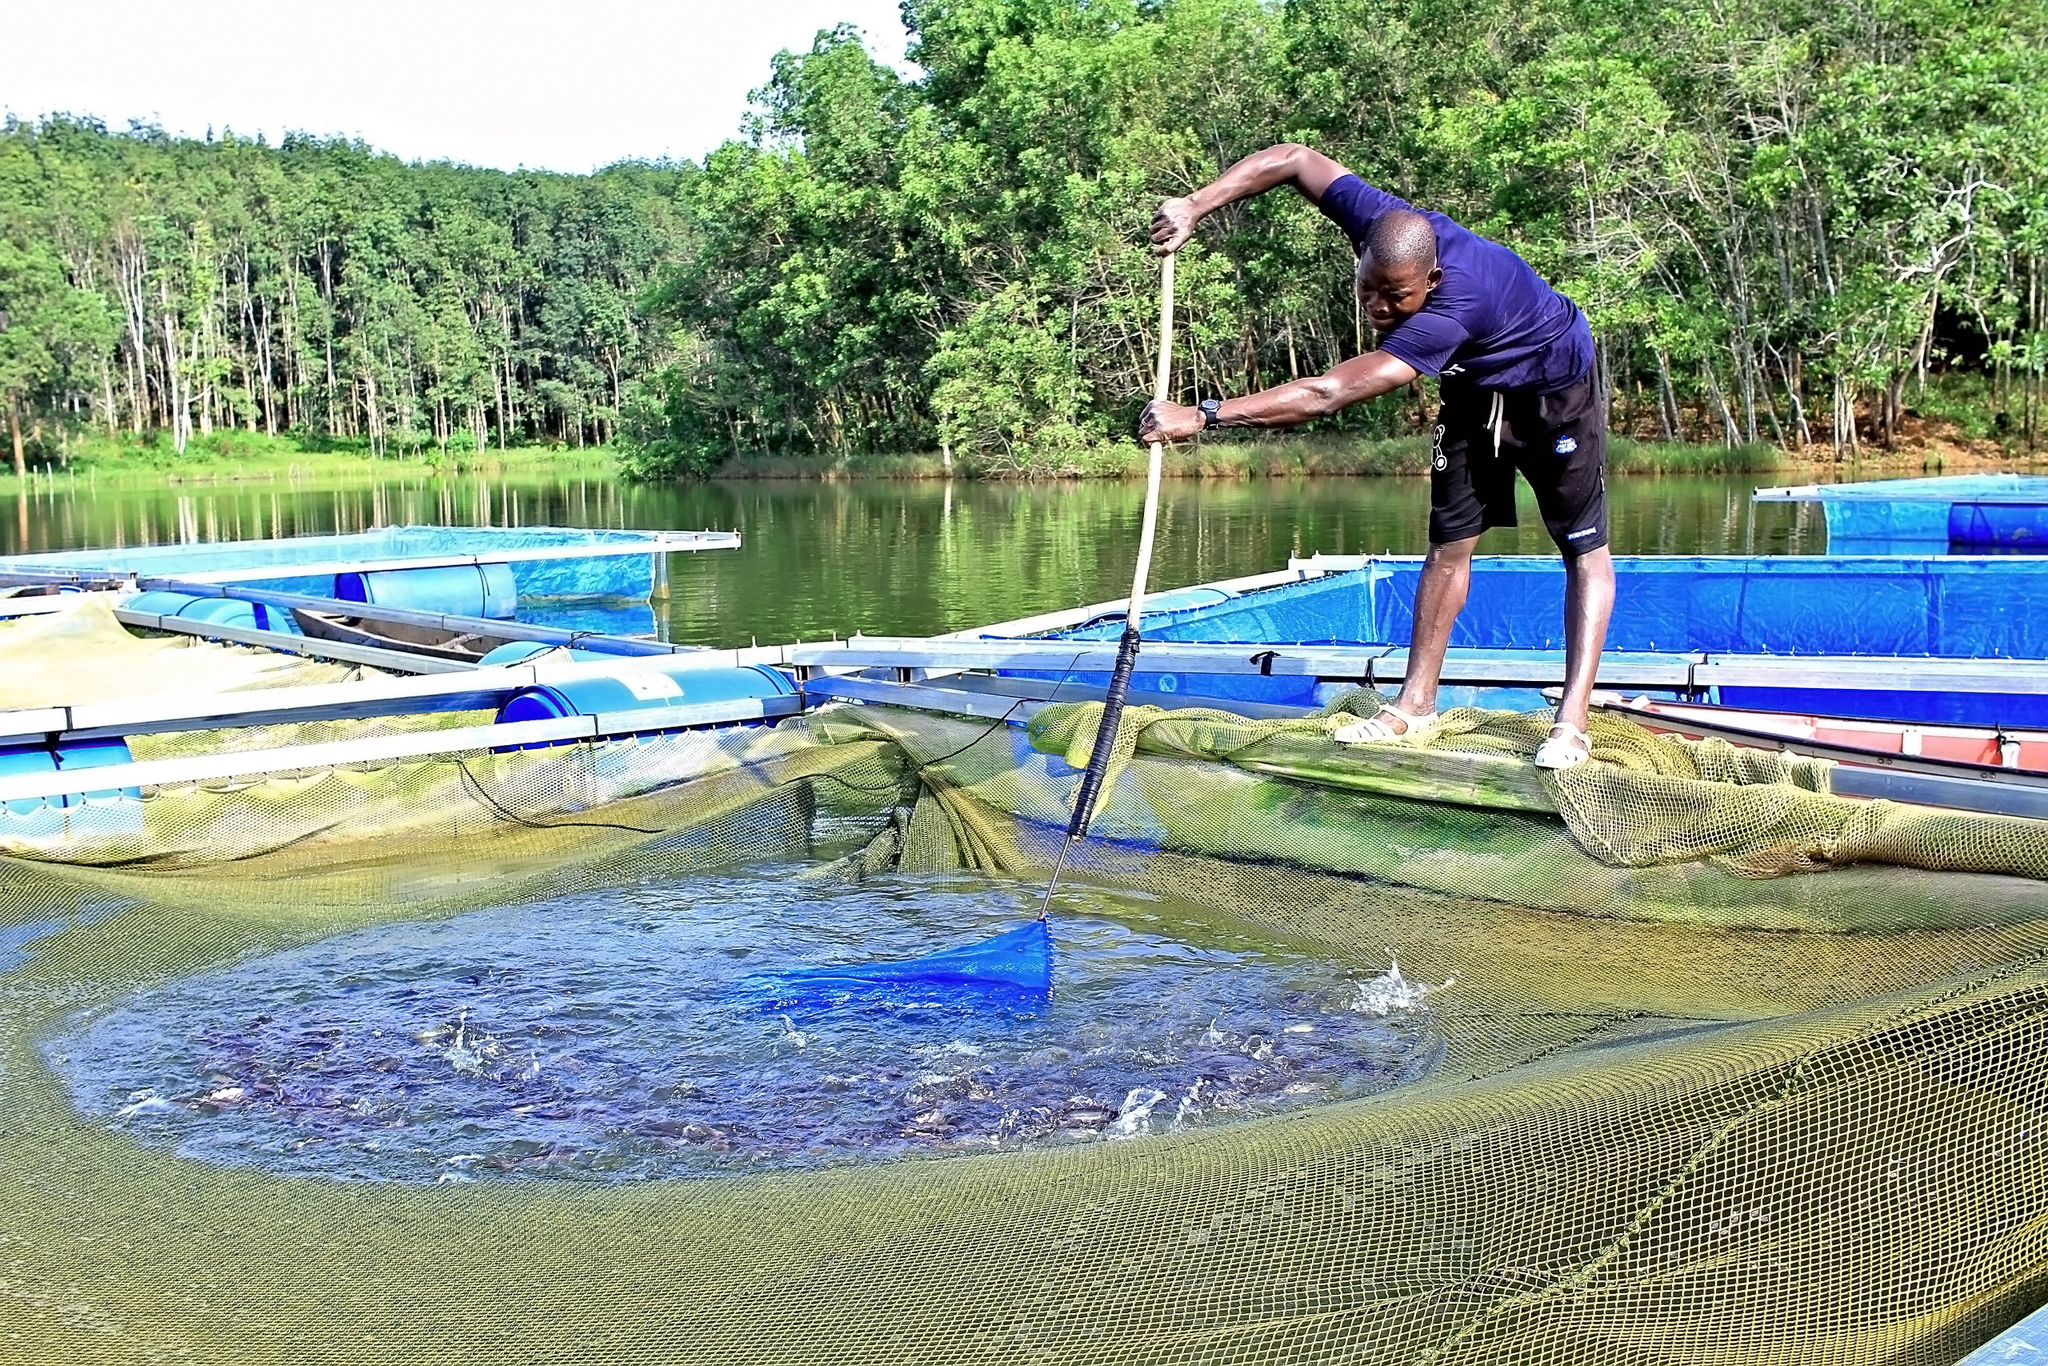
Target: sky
column 508, row 83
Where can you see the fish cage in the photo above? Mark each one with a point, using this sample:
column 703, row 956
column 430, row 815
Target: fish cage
column 1355, row 1054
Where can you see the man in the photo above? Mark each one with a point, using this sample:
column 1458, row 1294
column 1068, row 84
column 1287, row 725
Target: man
column 1515, row 359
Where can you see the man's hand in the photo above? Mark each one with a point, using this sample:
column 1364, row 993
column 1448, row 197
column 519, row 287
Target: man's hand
column 1306, row 169
column 1173, row 225
column 1169, row 422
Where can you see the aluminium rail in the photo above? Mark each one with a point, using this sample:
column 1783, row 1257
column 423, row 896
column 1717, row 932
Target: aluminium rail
column 461, row 689
column 159, row 773
column 1692, row 674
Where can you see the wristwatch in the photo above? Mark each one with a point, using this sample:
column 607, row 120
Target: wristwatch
column 1212, row 412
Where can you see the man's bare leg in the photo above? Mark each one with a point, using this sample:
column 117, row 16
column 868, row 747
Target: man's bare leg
column 1439, row 597
column 1588, row 606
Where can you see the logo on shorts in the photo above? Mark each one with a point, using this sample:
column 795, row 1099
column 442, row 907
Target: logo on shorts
column 1437, row 459
column 1566, row 445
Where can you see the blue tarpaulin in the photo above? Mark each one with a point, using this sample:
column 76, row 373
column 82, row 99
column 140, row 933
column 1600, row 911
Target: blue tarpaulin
column 1963, row 512
column 1943, row 606
column 1955, row 607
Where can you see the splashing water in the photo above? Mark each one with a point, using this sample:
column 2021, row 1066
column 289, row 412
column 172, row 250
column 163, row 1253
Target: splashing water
column 615, row 1035
column 1393, row 994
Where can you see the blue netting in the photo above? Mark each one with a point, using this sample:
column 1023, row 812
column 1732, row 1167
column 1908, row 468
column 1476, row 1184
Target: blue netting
column 1016, row 962
column 628, row 575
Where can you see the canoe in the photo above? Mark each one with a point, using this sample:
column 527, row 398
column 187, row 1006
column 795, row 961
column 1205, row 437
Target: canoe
column 1983, row 746
column 465, row 647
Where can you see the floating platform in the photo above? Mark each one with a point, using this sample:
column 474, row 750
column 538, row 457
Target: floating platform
column 568, row 576
column 1962, row 512
column 1775, row 633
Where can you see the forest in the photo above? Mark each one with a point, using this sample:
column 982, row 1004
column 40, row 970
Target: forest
column 1785, row 220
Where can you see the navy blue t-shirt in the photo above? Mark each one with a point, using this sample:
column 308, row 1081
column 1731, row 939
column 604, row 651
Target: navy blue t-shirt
column 1493, row 322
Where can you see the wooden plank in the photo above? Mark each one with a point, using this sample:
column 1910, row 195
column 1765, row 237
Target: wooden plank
column 385, row 748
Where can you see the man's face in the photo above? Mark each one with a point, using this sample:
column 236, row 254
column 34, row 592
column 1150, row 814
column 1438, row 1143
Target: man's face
column 1391, row 294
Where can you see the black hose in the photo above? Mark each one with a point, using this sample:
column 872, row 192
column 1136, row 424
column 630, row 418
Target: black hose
column 1105, row 733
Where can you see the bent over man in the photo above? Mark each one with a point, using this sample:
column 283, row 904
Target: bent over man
column 1515, row 361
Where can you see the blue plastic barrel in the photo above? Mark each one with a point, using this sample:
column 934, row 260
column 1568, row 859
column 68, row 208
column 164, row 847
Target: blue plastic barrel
column 223, row 612
column 160, row 604
column 19, row 760
column 250, row 616
column 97, row 753
column 461, row 590
column 643, row 688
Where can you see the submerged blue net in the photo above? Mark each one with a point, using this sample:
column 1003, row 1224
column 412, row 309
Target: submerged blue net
column 1018, row 961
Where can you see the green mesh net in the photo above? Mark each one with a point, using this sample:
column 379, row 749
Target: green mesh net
column 1682, row 1111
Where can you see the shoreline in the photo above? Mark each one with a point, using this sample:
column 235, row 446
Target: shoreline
column 1301, row 458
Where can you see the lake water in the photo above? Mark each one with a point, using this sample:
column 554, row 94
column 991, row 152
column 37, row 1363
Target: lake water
column 904, row 558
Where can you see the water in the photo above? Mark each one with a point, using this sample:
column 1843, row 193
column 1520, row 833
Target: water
column 905, row 558
column 624, row 1035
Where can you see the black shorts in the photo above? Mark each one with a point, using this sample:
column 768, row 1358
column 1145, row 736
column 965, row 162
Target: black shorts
column 1559, row 443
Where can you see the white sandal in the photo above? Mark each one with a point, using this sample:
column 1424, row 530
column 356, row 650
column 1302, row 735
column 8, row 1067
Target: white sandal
column 1568, row 750
column 1376, row 728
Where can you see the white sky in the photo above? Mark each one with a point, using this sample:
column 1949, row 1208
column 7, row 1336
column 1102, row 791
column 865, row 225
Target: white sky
column 558, row 86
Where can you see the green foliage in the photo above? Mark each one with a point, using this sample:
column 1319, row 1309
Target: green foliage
column 194, row 288
column 1787, row 221
column 1779, row 219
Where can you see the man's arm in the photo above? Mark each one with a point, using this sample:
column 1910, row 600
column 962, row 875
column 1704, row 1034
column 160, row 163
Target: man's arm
column 1286, row 405
column 1306, row 169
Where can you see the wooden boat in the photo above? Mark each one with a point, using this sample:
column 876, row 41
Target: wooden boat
column 1843, row 738
column 435, row 642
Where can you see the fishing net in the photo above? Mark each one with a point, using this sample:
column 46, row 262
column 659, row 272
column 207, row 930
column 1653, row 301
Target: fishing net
column 1679, row 1111
column 84, row 655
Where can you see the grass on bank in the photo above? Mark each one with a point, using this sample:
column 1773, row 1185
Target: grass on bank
column 234, row 456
